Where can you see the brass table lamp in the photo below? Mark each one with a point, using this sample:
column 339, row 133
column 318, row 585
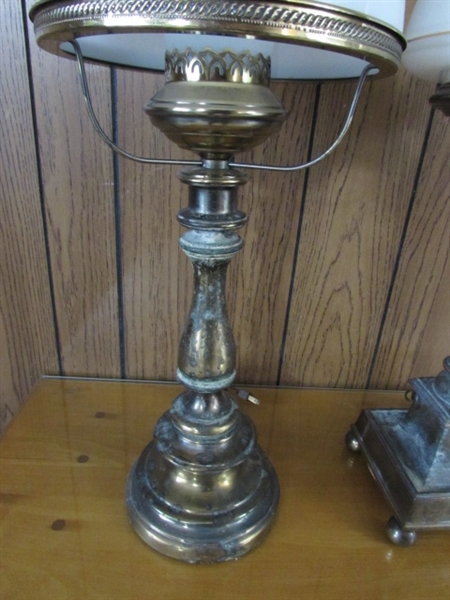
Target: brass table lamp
column 203, row 490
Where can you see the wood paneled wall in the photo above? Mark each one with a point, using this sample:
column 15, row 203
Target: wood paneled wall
column 344, row 278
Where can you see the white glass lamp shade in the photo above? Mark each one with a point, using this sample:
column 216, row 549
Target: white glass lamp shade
column 305, row 40
column 428, row 36
column 392, row 12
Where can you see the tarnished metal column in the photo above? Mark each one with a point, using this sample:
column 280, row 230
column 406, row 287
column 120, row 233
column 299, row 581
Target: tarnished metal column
column 207, row 354
column 203, row 491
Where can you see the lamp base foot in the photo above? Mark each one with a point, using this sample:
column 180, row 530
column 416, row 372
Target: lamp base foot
column 398, row 535
column 384, row 436
column 208, row 507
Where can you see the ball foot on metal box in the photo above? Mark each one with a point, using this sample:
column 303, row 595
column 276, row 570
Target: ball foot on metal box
column 408, row 454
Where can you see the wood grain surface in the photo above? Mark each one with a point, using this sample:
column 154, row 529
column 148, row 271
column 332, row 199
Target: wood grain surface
column 156, row 275
column 354, row 218
column 260, row 277
column 417, row 328
column 64, row 466
column 79, row 203
column 317, row 295
column 27, row 338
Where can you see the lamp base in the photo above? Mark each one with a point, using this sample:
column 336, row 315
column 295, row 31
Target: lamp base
column 202, row 491
column 408, row 454
column 377, row 434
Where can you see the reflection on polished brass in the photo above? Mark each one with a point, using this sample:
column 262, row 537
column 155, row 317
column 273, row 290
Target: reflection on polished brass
column 216, row 118
column 166, row 161
column 295, row 21
column 208, row 65
column 203, row 490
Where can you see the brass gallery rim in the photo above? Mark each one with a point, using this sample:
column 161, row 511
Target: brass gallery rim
column 293, row 21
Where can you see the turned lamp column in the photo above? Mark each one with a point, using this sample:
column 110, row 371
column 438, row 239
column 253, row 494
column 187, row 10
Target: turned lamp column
column 207, row 355
column 203, row 490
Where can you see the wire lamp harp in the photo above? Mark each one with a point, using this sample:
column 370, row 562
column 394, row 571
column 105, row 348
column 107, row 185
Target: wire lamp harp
column 203, row 491
column 165, row 161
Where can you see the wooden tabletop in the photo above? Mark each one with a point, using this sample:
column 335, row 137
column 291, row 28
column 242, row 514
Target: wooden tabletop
column 64, row 530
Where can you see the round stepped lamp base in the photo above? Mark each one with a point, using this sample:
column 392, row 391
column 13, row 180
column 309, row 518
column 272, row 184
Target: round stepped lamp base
column 202, row 510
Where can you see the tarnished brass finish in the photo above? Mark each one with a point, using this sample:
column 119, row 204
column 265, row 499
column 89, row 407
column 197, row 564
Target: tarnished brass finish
column 294, row 21
column 408, row 452
column 227, row 109
column 203, row 490
column 167, row 161
column 213, row 197
column 207, row 354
